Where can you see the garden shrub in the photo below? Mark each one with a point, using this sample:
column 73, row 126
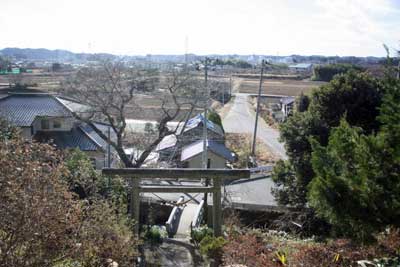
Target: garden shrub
column 212, row 246
column 154, row 234
column 199, row 233
column 44, row 224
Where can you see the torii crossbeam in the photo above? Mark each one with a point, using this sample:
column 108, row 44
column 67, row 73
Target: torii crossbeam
column 215, row 175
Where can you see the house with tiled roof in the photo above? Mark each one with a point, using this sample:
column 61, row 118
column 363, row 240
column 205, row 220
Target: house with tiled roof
column 185, row 149
column 217, row 155
column 47, row 118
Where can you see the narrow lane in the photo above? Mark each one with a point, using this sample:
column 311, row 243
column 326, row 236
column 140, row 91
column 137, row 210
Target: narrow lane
column 241, row 119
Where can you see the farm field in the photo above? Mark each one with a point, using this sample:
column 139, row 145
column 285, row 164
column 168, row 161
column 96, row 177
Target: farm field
column 149, row 106
column 44, row 81
column 278, row 87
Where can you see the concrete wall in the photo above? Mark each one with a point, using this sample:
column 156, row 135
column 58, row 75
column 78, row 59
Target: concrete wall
column 216, row 161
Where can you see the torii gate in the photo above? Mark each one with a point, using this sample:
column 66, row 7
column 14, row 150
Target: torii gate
column 215, row 175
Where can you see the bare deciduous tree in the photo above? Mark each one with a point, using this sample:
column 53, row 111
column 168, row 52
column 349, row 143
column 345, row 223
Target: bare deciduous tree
column 112, row 92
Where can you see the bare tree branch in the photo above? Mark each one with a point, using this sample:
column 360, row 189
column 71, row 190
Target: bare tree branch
column 112, row 91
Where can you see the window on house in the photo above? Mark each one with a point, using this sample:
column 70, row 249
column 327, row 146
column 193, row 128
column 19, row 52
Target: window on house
column 45, row 124
column 208, row 163
column 56, row 124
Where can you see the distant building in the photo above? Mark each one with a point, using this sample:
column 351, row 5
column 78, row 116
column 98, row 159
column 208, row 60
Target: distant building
column 301, row 67
column 287, row 104
column 47, row 118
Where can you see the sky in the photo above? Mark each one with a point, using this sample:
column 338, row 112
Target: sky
column 267, row 27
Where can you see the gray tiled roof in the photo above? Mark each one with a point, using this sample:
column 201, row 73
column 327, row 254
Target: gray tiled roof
column 196, row 148
column 81, row 136
column 21, row 110
column 72, row 105
column 75, row 138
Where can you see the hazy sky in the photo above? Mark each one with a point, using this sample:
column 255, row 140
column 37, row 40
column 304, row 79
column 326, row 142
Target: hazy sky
column 284, row 27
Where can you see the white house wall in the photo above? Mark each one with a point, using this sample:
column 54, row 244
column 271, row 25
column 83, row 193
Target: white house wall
column 216, row 162
column 66, row 124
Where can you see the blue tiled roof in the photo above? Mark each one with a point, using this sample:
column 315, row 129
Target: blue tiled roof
column 196, row 148
column 21, row 110
column 94, row 136
column 195, row 121
column 75, row 138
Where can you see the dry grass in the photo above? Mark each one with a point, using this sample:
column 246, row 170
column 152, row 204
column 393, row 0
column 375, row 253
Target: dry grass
column 279, row 87
column 257, row 248
column 240, row 143
column 265, row 113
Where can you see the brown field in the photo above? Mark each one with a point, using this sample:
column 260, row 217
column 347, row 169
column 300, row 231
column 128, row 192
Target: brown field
column 150, row 106
column 278, row 87
column 44, row 81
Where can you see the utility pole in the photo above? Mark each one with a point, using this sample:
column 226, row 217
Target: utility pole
column 223, row 95
column 109, row 147
column 253, row 150
column 230, row 86
column 204, row 155
column 109, row 156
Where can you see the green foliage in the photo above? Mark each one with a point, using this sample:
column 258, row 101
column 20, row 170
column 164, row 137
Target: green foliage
column 357, row 184
column 56, row 67
column 292, row 177
column 154, row 234
column 215, row 118
column 231, row 62
column 68, row 263
column 302, row 103
column 7, row 131
column 199, row 233
column 212, row 246
column 82, row 178
column 327, row 72
column 88, row 183
column 356, row 96
column 341, row 192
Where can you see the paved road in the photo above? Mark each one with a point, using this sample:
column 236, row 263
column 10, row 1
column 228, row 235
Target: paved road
column 241, row 119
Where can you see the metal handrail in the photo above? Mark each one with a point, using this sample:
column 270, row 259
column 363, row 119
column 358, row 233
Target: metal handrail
column 198, row 216
column 171, row 224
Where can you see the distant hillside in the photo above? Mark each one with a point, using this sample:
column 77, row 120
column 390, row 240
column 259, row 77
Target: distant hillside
column 42, row 54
